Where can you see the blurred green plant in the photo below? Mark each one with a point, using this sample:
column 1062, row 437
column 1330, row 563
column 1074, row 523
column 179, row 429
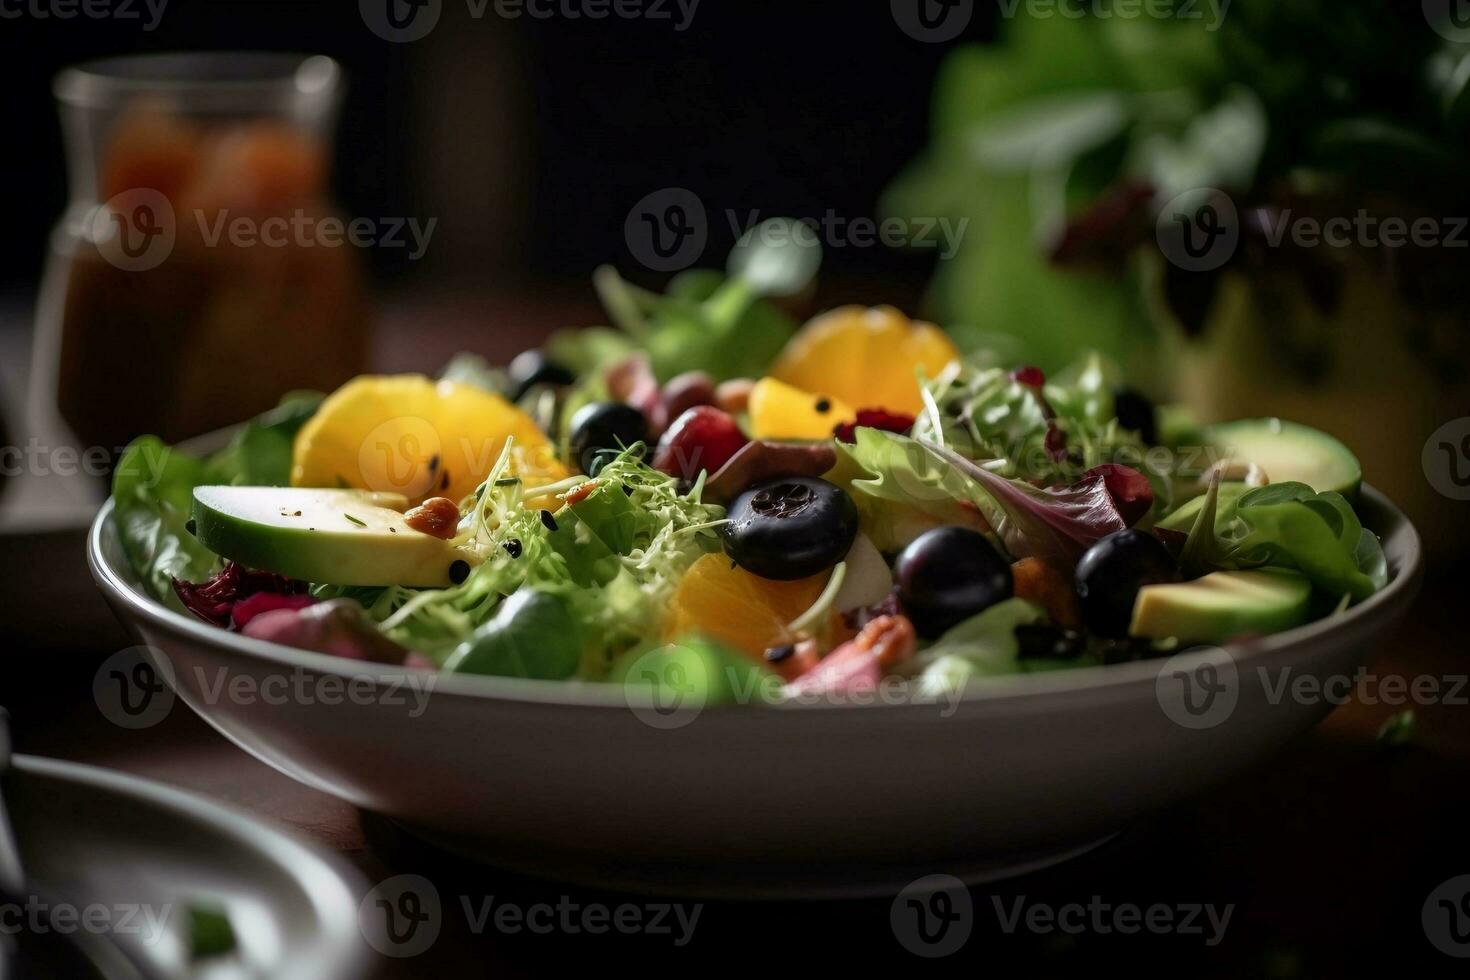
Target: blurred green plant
column 1062, row 142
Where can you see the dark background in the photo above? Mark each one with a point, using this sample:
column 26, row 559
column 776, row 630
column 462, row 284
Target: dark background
column 531, row 139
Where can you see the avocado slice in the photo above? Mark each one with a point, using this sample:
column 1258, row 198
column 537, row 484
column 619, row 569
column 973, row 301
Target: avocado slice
column 1220, row 605
column 340, row 537
column 1289, row 451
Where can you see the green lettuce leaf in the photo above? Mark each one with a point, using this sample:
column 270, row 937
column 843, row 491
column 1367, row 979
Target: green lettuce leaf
column 901, row 490
column 1288, row 525
column 153, row 492
column 723, row 325
column 984, row 645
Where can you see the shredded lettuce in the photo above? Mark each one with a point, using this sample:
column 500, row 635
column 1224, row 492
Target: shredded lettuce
column 614, row 557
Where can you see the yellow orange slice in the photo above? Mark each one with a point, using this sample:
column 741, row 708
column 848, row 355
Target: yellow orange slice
column 865, row 357
column 782, row 411
column 421, row 438
column 741, row 610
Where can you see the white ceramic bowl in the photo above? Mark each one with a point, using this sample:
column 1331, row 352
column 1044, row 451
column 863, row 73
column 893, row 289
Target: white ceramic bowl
column 569, row 781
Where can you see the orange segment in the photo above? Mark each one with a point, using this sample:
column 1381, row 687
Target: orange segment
column 865, row 357
column 781, row 411
column 741, row 610
column 421, row 438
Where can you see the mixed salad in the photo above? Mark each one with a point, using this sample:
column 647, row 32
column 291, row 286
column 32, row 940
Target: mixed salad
column 829, row 505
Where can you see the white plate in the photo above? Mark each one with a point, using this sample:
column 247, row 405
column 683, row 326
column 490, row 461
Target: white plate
column 569, row 781
column 143, row 851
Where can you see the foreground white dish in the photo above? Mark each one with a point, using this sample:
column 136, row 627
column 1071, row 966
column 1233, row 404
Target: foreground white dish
column 98, row 836
column 569, row 781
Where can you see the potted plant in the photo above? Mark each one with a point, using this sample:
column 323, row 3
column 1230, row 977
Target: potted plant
column 1264, row 200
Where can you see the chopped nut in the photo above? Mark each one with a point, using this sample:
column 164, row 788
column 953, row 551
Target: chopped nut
column 437, row 517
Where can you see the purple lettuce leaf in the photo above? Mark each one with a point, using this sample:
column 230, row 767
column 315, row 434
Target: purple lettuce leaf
column 1055, row 524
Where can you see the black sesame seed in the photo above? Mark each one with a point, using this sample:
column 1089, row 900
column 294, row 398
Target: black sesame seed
column 824, row 405
column 548, row 520
column 512, row 548
column 392, row 530
column 434, row 462
column 459, row 571
column 777, row 654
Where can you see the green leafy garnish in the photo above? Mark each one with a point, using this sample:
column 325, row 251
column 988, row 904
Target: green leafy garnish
column 722, row 325
column 209, row 930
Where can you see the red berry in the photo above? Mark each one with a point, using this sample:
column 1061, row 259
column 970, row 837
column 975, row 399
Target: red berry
column 703, row 438
column 1031, row 377
column 875, row 418
column 687, row 391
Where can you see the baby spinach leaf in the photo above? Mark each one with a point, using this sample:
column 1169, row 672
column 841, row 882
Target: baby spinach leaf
column 153, row 493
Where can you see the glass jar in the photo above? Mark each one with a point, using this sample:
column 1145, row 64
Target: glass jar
column 190, row 284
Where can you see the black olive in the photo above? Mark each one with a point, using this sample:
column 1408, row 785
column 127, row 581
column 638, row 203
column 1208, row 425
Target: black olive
column 1111, row 573
column 601, row 431
column 947, row 575
column 1041, row 641
column 533, row 367
column 790, row 528
column 1136, row 414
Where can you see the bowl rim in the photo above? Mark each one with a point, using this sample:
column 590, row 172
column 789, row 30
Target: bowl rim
column 1402, row 548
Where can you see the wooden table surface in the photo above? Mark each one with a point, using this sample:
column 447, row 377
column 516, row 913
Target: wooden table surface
column 1326, row 853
